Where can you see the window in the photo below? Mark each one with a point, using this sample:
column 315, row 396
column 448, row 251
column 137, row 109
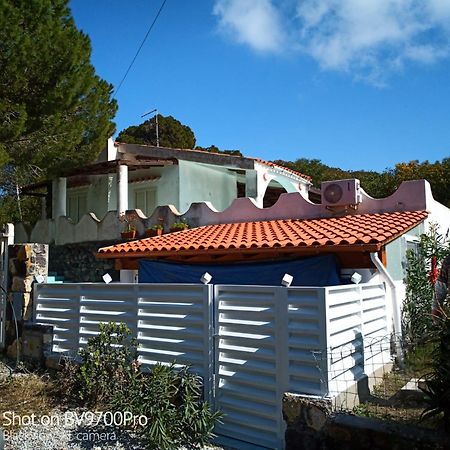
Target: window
column 77, row 204
column 145, row 200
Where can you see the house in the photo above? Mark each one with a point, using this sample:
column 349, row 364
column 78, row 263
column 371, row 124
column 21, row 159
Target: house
column 254, row 340
column 366, row 235
column 82, row 205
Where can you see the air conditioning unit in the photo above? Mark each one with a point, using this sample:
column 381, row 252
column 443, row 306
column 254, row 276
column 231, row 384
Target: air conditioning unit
column 341, row 192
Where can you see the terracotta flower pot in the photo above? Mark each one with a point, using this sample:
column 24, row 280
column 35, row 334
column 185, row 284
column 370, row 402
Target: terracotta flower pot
column 153, row 233
column 128, row 234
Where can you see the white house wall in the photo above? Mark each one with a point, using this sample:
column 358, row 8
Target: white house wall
column 440, row 215
column 98, row 195
column 396, row 253
column 168, row 188
column 201, row 182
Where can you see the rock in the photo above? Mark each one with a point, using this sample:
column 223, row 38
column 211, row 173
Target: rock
column 12, row 349
column 21, row 284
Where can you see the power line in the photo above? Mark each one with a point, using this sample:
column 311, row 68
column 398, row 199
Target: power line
column 140, row 47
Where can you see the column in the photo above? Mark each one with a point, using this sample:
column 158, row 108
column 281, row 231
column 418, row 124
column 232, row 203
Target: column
column 122, row 188
column 60, row 197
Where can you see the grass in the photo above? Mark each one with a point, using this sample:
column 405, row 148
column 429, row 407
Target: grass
column 388, row 403
column 25, row 394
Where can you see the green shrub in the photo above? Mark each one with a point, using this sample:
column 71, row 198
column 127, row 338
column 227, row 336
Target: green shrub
column 416, row 313
column 438, row 380
column 107, row 362
column 171, row 399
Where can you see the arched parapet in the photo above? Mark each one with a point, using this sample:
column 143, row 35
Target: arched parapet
column 109, row 227
column 65, row 231
column 163, row 215
column 21, row 235
column 287, row 179
column 43, row 232
column 288, row 206
column 412, row 195
column 201, row 213
column 87, row 228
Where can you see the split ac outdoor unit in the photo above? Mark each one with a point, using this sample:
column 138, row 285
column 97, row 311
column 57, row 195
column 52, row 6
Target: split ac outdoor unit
column 340, row 192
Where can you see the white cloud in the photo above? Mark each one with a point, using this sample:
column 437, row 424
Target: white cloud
column 367, row 38
column 252, row 22
column 369, row 34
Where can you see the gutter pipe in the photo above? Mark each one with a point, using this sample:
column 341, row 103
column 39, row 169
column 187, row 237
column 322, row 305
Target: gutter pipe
column 395, row 304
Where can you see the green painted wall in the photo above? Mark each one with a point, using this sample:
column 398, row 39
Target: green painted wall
column 168, row 177
column 178, row 185
column 204, row 183
column 396, row 253
column 98, row 195
column 168, row 187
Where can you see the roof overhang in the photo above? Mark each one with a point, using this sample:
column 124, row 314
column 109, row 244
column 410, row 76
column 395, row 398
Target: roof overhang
column 103, row 168
column 357, row 235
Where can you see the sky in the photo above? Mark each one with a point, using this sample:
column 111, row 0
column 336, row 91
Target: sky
column 358, row 84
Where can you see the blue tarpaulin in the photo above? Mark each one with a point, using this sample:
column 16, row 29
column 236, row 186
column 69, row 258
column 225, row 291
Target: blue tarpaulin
column 314, row 271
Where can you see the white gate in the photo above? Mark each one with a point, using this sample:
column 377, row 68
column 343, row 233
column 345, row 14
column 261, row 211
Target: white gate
column 250, row 376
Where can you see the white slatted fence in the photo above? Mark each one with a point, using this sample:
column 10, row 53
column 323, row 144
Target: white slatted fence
column 249, row 343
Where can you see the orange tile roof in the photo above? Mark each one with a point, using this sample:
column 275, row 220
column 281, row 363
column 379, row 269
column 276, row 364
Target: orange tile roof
column 272, row 164
column 365, row 232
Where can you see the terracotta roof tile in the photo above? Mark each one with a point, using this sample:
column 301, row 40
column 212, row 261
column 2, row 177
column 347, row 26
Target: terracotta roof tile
column 272, row 164
column 363, row 230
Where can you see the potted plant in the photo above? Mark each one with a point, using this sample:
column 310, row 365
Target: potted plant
column 154, row 230
column 179, row 226
column 129, row 231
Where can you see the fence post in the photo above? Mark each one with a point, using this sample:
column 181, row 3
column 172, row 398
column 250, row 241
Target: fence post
column 209, row 342
column 281, row 345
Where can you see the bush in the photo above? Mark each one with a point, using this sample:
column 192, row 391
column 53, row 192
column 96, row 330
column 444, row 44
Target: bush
column 438, row 381
column 416, row 314
column 107, row 362
column 109, row 375
column 171, row 400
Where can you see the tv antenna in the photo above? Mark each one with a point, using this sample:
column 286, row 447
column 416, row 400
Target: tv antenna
column 156, row 120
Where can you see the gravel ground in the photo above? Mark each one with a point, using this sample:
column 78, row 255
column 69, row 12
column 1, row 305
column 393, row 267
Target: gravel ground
column 63, row 430
column 64, row 434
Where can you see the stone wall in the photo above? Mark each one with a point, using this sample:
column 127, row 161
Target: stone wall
column 27, row 263
column 311, row 425
column 77, row 262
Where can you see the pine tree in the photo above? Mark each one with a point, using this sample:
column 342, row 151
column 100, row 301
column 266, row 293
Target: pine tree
column 55, row 112
column 171, row 132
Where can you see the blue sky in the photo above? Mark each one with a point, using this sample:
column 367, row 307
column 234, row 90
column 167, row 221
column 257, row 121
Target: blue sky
column 358, row 84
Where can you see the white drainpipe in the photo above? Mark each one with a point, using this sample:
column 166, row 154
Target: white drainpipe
column 395, row 305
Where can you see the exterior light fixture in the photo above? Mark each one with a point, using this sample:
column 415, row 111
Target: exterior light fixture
column 356, row 278
column 107, row 278
column 206, row 278
column 287, row 280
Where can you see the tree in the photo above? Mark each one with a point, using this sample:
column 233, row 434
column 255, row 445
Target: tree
column 172, row 133
column 55, row 112
column 214, row 149
column 437, row 173
column 381, row 184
